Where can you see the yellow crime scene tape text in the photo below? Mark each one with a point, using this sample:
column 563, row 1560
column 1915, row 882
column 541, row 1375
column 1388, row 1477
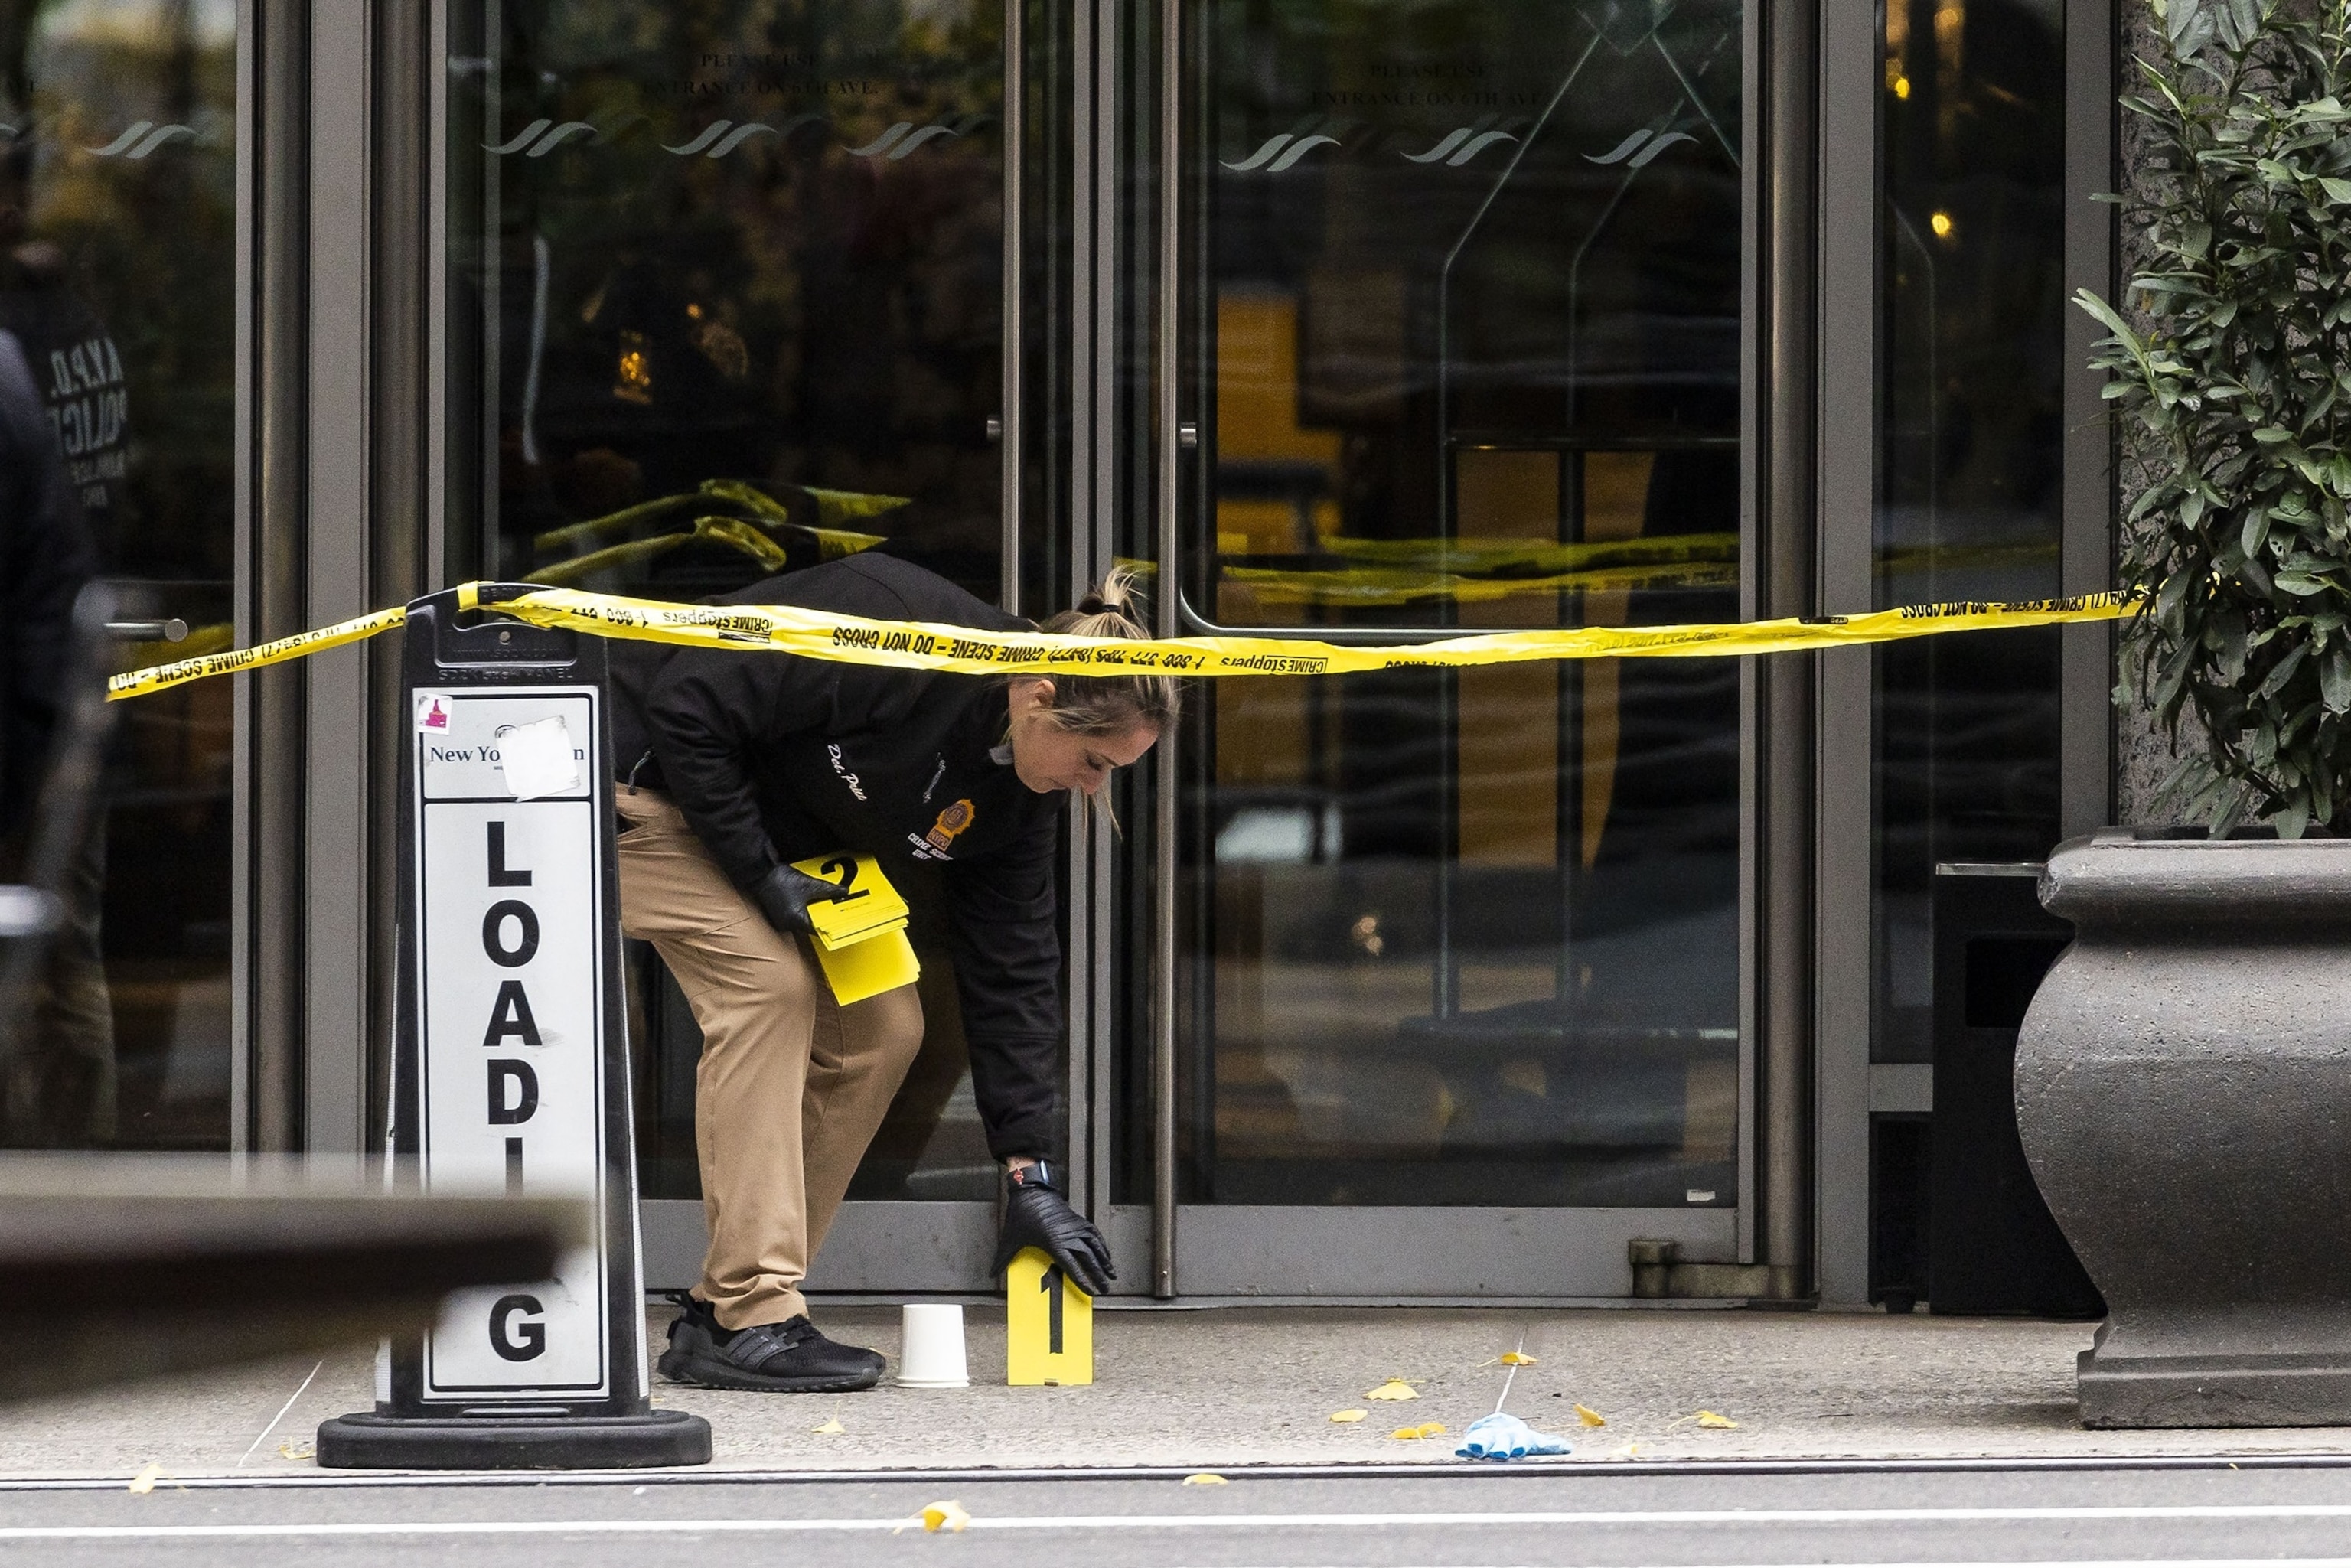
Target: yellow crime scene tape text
column 963, row 649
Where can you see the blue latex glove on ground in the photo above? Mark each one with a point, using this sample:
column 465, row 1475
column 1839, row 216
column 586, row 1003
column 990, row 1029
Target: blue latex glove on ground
column 1504, row 1437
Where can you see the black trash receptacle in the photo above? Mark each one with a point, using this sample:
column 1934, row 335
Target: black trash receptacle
column 1993, row 1247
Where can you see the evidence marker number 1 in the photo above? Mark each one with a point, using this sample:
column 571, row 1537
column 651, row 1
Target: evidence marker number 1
column 1048, row 1325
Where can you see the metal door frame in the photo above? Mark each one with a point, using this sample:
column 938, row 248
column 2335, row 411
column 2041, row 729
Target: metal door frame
column 1346, row 1253
column 1306, row 1253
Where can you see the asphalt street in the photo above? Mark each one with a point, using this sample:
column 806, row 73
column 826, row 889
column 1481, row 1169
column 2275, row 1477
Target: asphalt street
column 1517, row 1516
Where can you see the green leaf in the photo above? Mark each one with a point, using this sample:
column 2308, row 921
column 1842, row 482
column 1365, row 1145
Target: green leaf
column 2167, row 604
column 2106, row 317
column 2335, row 679
column 2231, row 809
column 2283, row 672
column 2258, row 576
column 2180, row 20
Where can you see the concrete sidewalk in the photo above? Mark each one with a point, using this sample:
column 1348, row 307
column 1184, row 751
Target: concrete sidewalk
column 1224, row 1387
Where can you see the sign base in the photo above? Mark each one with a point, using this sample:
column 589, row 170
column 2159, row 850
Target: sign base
column 371, row 1442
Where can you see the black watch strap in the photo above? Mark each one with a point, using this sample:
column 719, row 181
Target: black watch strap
column 1040, row 1174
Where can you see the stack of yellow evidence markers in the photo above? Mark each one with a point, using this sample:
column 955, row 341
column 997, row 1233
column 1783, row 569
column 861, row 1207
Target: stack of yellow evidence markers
column 860, row 938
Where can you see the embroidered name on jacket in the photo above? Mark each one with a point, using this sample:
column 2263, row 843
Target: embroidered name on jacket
column 934, row 844
column 846, row 776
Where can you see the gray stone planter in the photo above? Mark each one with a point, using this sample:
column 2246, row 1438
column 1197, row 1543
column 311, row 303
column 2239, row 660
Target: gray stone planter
column 2183, row 1088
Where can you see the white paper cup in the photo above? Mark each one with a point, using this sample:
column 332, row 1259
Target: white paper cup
column 930, row 1347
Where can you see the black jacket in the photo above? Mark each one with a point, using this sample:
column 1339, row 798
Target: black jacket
column 773, row 757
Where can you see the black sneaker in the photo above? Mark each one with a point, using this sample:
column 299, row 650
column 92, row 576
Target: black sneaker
column 788, row 1357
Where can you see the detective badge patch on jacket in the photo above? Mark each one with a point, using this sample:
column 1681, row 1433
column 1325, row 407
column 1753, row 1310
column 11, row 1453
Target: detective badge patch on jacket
column 934, row 844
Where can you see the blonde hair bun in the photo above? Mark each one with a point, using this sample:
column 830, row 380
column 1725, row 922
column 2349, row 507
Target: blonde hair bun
column 1111, row 704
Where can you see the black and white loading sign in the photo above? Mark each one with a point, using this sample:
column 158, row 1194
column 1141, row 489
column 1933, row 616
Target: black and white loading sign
column 506, row 873
column 511, row 1066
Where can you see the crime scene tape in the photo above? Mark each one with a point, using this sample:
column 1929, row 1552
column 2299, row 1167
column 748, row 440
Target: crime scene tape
column 917, row 645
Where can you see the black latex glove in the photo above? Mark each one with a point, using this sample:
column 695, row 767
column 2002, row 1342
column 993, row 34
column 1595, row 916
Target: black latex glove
column 1036, row 1215
column 785, row 895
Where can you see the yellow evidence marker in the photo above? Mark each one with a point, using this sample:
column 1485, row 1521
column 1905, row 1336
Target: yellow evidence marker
column 861, row 939
column 1048, row 1325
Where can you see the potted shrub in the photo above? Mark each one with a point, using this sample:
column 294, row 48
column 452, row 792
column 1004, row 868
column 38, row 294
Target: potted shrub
column 2183, row 1080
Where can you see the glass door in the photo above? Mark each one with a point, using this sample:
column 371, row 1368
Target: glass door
column 1457, row 954
column 118, row 218
column 724, row 296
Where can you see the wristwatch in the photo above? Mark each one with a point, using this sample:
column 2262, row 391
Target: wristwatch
column 1038, row 1173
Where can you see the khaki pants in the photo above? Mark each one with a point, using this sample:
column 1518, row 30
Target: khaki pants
column 791, row 1085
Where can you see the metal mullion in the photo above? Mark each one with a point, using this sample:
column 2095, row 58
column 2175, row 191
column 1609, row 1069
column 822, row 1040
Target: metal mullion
column 1788, row 584
column 1167, row 777
column 2086, row 789
column 339, row 572
column 1091, row 551
column 1012, row 332
column 274, row 746
column 406, row 86
column 1751, row 601
column 244, row 599
column 1082, row 306
column 436, row 303
column 1850, row 96
column 489, row 266
column 1082, row 329
column 1106, row 330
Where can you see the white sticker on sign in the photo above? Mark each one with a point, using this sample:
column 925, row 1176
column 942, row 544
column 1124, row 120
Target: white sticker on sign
column 537, row 759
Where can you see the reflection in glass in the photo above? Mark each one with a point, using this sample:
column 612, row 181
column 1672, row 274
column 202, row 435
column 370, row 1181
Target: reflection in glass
column 1467, row 330
column 725, row 286
column 736, row 277
column 117, row 247
column 1967, row 736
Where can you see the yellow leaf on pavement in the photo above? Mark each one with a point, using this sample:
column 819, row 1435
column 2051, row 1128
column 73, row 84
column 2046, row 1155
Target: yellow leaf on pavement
column 947, row 1516
column 1432, row 1428
column 832, row 1429
column 1517, row 1358
column 293, row 1448
column 1719, row 1423
column 1413, row 1434
column 1589, row 1416
column 144, row 1481
column 1344, row 1417
column 1394, row 1388
column 1204, row 1479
